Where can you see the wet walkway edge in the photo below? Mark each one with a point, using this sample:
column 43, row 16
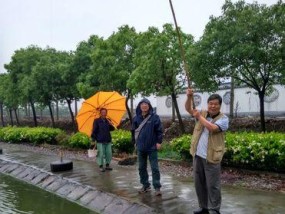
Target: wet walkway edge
column 87, row 196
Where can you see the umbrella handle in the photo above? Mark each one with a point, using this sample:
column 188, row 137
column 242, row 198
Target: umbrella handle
column 110, row 121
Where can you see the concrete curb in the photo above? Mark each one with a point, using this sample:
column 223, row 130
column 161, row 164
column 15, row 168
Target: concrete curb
column 84, row 195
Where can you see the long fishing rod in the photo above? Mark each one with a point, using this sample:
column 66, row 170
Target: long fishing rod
column 185, row 65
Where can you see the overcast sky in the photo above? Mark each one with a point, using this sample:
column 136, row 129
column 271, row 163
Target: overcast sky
column 62, row 24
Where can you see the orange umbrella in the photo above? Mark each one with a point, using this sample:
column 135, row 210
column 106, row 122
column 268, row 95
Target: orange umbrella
column 90, row 110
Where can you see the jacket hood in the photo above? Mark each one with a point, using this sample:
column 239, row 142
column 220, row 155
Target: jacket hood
column 138, row 109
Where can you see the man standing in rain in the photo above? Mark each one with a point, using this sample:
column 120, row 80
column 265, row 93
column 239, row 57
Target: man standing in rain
column 101, row 134
column 207, row 149
column 147, row 135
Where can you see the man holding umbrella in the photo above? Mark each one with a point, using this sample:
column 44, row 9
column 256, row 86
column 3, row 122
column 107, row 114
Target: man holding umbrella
column 98, row 116
column 101, row 134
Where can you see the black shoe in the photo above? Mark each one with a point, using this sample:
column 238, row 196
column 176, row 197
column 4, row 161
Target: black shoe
column 201, row 211
column 108, row 167
column 144, row 189
column 213, row 212
column 158, row 192
column 102, row 169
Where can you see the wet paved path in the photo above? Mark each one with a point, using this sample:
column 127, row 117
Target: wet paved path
column 177, row 196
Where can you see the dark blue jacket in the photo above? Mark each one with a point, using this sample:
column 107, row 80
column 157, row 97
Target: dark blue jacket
column 151, row 133
column 101, row 131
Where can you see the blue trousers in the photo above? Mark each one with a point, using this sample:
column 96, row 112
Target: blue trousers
column 144, row 178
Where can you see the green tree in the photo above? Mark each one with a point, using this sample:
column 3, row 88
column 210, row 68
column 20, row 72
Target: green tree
column 19, row 69
column 82, row 63
column 159, row 65
column 66, row 90
column 247, row 43
column 110, row 63
column 3, row 93
column 46, row 79
column 113, row 62
column 11, row 97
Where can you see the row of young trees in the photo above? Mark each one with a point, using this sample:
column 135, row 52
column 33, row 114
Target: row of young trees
column 246, row 43
column 37, row 76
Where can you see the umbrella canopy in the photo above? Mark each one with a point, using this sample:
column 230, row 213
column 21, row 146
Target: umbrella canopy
column 90, row 110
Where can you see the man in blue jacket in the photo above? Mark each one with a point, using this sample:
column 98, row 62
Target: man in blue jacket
column 147, row 135
column 101, row 134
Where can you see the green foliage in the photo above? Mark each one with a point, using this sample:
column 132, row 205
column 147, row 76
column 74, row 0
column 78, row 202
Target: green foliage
column 41, row 135
column 245, row 43
column 158, row 60
column 182, row 146
column 62, row 139
column 122, row 142
column 167, row 152
column 80, row 140
column 13, row 134
column 264, row 151
column 19, row 70
column 36, row 135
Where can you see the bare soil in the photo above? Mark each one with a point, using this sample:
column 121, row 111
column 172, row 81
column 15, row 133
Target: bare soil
column 257, row 180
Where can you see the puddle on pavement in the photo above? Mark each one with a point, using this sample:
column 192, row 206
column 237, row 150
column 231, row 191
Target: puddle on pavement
column 178, row 195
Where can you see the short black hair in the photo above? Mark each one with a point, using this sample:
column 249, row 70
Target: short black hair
column 215, row 97
column 103, row 109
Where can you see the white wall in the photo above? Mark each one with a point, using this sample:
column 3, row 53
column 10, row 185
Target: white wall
column 137, row 99
column 246, row 102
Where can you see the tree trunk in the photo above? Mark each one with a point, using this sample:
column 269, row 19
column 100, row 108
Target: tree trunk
column 2, row 114
column 174, row 100
column 28, row 111
column 132, row 104
column 16, row 116
column 261, row 102
column 75, row 107
column 173, row 112
column 34, row 113
column 71, row 113
column 130, row 115
column 232, row 98
column 11, row 116
column 57, row 111
column 51, row 115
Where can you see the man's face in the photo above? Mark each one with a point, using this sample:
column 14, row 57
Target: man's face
column 214, row 107
column 103, row 113
column 144, row 107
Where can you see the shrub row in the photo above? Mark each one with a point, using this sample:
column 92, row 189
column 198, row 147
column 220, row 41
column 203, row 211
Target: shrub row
column 121, row 140
column 29, row 135
column 262, row 151
column 39, row 135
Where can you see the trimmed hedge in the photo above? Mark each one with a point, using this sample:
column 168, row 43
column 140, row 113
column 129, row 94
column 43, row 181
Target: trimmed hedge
column 79, row 140
column 181, row 145
column 263, row 151
column 122, row 141
column 36, row 135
